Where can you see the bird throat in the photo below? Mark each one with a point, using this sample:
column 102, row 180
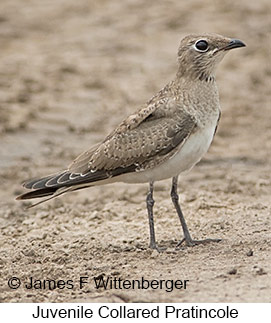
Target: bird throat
column 206, row 77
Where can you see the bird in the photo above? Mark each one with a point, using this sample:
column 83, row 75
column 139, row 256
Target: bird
column 165, row 137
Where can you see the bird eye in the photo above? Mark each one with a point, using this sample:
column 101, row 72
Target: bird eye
column 201, row 45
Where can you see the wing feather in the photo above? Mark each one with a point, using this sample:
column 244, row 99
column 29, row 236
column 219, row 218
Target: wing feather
column 150, row 139
column 144, row 140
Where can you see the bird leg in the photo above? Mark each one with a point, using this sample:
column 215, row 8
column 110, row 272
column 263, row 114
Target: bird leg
column 150, row 204
column 187, row 237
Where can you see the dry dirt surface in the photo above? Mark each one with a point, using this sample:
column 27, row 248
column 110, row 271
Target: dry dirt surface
column 70, row 71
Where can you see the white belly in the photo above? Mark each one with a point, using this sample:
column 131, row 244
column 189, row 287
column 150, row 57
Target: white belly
column 188, row 155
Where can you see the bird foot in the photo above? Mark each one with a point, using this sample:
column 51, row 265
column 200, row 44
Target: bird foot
column 191, row 243
column 155, row 247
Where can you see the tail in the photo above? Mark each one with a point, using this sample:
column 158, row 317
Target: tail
column 41, row 193
column 67, row 181
column 52, row 186
column 38, row 193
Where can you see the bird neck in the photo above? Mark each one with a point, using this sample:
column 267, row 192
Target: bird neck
column 196, row 73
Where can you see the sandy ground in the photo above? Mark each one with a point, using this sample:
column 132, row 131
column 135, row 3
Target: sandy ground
column 71, row 71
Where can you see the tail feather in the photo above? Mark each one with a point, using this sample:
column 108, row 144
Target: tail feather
column 51, row 192
column 57, row 184
column 41, row 193
column 37, row 193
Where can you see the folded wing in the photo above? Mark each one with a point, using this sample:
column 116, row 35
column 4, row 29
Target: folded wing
column 133, row 147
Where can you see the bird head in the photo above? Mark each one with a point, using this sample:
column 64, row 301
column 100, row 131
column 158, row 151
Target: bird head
column 199, row 55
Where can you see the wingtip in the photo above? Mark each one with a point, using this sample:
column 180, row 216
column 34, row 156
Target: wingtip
column 19, row 197
column 23, row 196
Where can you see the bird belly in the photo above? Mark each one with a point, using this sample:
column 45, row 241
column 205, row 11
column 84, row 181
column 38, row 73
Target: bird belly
column 188, row 155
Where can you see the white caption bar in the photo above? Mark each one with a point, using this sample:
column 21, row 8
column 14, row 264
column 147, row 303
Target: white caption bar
column 158, row 312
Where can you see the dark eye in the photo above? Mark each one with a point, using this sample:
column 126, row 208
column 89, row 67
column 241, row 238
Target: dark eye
column 201, row 45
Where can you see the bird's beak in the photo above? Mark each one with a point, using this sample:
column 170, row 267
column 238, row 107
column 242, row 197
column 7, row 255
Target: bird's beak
column 234, row 43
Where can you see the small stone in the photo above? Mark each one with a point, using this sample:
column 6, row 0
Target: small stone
column 115, row 273
column 260, row 271
column 29, row 253
column 250, row 253
column 233, row 271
